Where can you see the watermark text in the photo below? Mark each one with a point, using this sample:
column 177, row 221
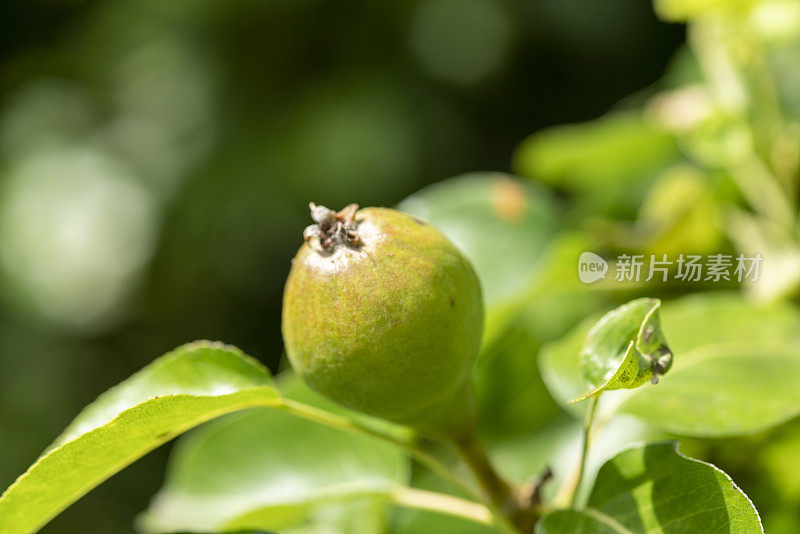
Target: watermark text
column 661, row 267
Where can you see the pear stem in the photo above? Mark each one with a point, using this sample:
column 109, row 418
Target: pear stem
column 502, row 495
column 472, row 451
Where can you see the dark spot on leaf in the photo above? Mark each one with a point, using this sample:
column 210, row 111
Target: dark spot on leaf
column 452, row 302
column 648, row 332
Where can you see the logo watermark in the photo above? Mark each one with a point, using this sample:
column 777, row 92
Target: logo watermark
column 686, row 268
column 591, row 267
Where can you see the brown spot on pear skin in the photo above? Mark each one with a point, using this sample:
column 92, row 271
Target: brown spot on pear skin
column 509, row 200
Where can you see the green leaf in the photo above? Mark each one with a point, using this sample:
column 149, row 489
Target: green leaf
column 625, row 349
column 724, row 391
column 182, row 389
column 734, row 374
column 727, row 318
column 408, row 521
column 654, row 488
column 270, row 470
column 679, row 214
column 779, row 464
column 560, row 365
column 555, row 299
column 508, row 383
column 683, row 10
column 352, row 517
column 500, row 222
column 779, row 276
column 606, row 164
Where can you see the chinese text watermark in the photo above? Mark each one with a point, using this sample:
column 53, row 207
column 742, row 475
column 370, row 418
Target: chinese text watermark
column 686, row 268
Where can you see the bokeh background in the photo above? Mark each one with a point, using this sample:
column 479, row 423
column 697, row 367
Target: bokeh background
column 157, row 158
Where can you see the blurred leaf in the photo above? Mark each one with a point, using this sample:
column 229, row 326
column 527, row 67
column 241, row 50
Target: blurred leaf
column 625, row 349
column 734, row 366
column 508, row 383
column 420, row 522
column 560, row 364
column 682, row 71
column 784, row 66
column 654, row 488
column 779, row 271
column 680, row 214
column 507, row 375
column 353, row 517
column 712, row 318
column 269, row 470
column 606, row 163
column 772, row 463
column 188, row 386
column 555, row 299
column 682, row 10
column 724, row 389
column 503, row 225
column 781, row 463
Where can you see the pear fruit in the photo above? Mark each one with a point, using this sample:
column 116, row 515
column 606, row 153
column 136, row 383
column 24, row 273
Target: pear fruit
column 384, row 315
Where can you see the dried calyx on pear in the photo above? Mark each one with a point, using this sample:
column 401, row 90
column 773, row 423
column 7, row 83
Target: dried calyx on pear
column 332, row 228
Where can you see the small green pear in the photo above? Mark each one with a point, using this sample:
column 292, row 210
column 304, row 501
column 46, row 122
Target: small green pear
column 384, row 315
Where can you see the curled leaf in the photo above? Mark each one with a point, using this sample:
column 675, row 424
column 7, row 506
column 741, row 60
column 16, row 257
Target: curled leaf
column 625, row 349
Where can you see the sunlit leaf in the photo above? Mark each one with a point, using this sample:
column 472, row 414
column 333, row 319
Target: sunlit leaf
column 269, row 470
column 654, row 489
column 182, row 389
